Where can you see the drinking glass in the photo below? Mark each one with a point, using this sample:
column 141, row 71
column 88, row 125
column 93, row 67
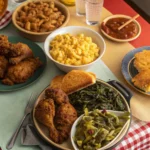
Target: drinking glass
column 93, row 9
column 80, row 7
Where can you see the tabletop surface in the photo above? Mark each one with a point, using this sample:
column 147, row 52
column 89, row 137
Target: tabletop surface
column 107, row 68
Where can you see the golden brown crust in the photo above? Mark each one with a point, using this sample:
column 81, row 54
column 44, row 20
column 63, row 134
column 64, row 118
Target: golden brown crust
column 142, row 80
column 142, row 60
column 76, row 80
column 73, row 81
column 57, row 81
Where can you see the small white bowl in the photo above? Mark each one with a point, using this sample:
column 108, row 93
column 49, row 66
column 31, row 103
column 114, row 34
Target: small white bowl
column 121, row 40
column 74, row 30
column 115, row 141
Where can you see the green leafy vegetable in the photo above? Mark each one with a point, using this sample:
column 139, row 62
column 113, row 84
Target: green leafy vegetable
column 97, row 96
column 98, row 128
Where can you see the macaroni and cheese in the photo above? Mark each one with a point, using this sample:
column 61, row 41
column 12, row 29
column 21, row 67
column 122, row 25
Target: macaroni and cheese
column 74, row 50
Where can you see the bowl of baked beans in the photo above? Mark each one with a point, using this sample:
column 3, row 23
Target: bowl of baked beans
column 36, row 19
column 109, row 28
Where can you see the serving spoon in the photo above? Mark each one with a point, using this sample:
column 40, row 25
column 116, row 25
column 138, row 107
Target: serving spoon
column 130, row 20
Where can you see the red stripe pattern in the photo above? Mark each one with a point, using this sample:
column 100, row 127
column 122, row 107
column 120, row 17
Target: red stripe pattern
column 5, row 19
column 120, row 7
column 138, row 137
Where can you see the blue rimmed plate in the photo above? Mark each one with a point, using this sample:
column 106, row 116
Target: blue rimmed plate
column 38, row 52
column 128, row 69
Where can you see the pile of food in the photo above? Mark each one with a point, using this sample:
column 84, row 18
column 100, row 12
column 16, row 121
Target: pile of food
column 72, row 94
column 97, row 96
column 142, row 64
column 74, row 50
column 112, row 25
column 17, row 62
column 97, row 128
column 40, row 17
column 56, row 113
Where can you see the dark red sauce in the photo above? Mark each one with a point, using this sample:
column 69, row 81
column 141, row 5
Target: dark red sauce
column 112, row 25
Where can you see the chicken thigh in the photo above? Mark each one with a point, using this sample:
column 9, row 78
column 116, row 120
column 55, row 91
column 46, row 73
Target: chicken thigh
column 21, row 72
column 19, row 52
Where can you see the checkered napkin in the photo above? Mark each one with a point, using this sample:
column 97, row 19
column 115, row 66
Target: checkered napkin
column 138, row 137
column 5, row 19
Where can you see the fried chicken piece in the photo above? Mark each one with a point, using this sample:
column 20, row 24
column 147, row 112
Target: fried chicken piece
column 65, row 114
column 57, row 95
column 21, row 72
column 142, row 80
column 4, row 45
column 19, row 52
column 44, row 113
column 3, row 66
column 64, row 117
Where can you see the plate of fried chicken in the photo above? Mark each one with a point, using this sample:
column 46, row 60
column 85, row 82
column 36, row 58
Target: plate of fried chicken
column 53, row 116
column 21, row 62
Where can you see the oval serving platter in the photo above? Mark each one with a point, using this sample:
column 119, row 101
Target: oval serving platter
column 121, row 40
column 38, row 52
column 44, row 132
column 128, row 70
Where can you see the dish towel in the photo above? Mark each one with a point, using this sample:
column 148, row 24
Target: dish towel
column 30, row 136
column 5, row 19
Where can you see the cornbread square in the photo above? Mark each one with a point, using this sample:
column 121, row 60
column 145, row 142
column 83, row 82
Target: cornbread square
column 142, row 80
column 142, row 60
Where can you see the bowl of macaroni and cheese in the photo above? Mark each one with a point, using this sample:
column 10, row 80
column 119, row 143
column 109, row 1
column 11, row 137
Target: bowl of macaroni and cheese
column 74, row 48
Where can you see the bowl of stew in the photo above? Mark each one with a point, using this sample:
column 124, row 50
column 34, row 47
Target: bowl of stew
column 109, row 27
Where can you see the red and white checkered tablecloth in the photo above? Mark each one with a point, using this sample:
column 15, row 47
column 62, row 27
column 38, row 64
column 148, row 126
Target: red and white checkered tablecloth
column 5, row 19
column 138, row 137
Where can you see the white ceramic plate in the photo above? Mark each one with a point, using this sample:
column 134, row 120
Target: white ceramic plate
column 121, row 40
column 66, row 145
column 111, row 143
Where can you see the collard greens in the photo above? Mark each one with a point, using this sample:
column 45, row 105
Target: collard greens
column 97, row 96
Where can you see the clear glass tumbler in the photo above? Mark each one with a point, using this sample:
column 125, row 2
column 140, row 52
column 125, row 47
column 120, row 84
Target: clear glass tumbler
column 93, row 9
column 80, row 7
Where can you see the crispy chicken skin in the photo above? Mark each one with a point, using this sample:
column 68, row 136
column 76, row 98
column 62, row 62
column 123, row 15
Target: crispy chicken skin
column 14, row 52
column 19, row 52
column 57, row 95
column 21, row 72
column 3, row 66
column 4, row 45
column 64, row 116
column 45, row 112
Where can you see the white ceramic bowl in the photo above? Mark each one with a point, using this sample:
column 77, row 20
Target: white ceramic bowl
column 121, row 40
column 74, row 30
column 112, row 143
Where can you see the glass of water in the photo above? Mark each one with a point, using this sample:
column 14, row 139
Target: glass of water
column 93, row 9
column 80, row 7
